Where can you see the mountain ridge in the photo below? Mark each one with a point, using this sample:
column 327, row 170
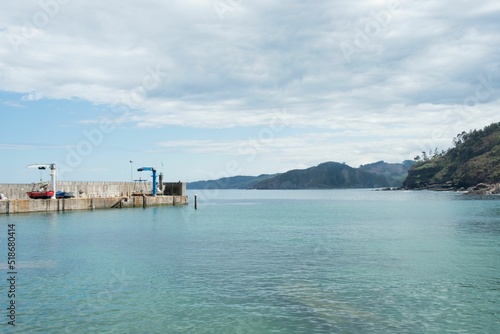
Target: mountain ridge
column 327, row 175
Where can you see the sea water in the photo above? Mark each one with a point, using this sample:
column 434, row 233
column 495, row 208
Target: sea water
column 304, row 261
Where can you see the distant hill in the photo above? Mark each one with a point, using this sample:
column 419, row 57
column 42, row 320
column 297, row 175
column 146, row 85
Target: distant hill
column 394, row 173
column 327, row 175
column 474, row 159
column 234, row 182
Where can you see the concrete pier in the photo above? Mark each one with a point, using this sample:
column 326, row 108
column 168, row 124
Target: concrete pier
column 83, row 189
column 92, row 195
column 90, row 203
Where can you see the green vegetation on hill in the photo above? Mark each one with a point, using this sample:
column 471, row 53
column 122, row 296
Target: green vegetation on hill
column 324, row 176
column 327, row 175
column 234, row 182
column 395, row 174
column 474, row 159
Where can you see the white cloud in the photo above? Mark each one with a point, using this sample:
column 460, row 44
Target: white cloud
column 33, row 96
column 99, row 55
column 188, row 64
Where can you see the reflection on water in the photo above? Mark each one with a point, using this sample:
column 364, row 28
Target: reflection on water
column 341, row 261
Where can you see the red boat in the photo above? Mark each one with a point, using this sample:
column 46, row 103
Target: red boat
column 39, row 191
column 40, row 194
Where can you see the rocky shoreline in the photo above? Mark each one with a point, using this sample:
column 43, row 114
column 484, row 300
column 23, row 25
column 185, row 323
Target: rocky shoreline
column 485, row 189
column 479, row 189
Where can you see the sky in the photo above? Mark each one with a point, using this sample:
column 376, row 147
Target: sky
column 202, row 89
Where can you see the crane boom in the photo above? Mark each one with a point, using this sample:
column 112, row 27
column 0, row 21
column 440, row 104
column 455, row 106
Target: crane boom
column 152, row 169
column 40, row 166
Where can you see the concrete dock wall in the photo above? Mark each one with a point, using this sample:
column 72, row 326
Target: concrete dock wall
column 88, row 203
column 83, row 189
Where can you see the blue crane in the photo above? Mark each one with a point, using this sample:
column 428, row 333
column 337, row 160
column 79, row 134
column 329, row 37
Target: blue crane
column 154, row 176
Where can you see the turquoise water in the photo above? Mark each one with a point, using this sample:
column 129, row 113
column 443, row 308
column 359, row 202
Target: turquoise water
column 330, row 261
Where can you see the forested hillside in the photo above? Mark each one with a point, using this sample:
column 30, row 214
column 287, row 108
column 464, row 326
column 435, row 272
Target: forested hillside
column 328, row 175
column 474, row 159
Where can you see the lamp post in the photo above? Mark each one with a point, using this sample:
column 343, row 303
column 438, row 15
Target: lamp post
column 131, row 171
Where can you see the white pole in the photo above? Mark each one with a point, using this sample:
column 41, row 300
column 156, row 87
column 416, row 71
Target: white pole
column 53, row 179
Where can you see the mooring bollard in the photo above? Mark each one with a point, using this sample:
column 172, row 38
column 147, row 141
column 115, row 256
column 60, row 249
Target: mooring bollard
column 195, row 202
